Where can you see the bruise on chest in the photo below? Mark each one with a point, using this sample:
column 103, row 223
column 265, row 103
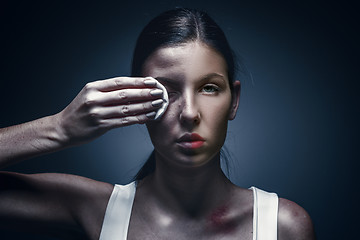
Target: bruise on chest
column 221, row 220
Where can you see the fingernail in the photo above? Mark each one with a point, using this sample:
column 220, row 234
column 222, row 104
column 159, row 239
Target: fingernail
column 157, row 103
column 156, row 92
column 151, row 114
column 150, row 82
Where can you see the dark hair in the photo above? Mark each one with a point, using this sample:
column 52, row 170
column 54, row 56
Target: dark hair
column 172, row 28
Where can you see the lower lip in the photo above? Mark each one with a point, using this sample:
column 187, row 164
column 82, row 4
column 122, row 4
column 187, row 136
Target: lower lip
column 192, row 144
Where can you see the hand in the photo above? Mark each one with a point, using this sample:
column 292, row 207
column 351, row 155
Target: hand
column 107, row 104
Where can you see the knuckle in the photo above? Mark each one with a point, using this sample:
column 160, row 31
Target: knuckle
column 103, row 124
column 138, row 82
column 118, row 82
column 144, row 93
column 145, row 106
column 89, row 86
column 94, row 113
column 141, row 119
column 122, row 95
column 125, row 110
column 89, row 100
column 125, row 120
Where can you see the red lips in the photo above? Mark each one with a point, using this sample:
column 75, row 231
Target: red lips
column 191, row 141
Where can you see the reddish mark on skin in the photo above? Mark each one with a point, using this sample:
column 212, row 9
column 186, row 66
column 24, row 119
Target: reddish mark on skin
column 220, row 221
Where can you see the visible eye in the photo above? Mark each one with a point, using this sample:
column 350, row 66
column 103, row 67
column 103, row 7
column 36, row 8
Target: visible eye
column 210, row 89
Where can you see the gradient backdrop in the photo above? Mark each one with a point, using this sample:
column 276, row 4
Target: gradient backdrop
column 297, row 126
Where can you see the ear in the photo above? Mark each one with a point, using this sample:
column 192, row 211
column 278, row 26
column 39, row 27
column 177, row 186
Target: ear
column 235, row 100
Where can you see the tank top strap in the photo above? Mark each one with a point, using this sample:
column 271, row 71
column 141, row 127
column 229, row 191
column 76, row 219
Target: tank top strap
column 118, row 212
column 265, row 215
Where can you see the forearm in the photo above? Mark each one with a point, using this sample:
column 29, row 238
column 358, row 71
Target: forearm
column 100, row 106
column 29, row 139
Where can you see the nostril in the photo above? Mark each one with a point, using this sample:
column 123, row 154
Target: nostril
column 190, row 115
column 197, row 119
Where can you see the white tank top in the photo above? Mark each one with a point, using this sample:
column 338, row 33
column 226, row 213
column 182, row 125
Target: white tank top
column 118, row 212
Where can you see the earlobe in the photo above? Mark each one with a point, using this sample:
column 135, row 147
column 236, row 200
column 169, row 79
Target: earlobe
column 235, row 99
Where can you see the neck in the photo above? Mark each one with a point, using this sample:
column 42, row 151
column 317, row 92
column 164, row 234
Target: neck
column 191, row 190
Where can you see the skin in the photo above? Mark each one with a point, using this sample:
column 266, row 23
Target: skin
column 200, row 100
column 63, row 204
column 188, row 196
column 185, row 180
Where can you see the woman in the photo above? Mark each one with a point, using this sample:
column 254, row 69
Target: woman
column 181, row 192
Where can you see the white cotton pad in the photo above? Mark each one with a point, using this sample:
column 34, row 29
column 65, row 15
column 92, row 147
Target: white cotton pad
column 165, row 98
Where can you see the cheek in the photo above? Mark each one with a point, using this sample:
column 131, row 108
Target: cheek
column 215, row 115
column 163, row 128
column 217, row 109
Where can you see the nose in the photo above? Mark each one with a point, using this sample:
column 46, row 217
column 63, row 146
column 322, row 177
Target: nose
column 189, row 113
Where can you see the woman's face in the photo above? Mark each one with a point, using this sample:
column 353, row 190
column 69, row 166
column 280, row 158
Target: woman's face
column 193, row 129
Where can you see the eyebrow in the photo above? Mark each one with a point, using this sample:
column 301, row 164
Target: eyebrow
column 172, row 82
column 213, row 75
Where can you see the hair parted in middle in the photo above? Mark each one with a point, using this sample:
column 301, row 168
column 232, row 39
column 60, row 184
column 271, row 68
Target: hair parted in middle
column 180, row 26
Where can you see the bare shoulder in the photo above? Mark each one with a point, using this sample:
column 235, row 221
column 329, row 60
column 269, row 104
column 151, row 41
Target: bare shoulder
column 294, row 222
column 86, row 197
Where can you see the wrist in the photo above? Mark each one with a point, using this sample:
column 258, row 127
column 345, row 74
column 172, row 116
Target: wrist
column 57, row 134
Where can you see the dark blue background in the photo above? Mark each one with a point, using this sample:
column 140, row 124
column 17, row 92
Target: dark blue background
column 297, row 126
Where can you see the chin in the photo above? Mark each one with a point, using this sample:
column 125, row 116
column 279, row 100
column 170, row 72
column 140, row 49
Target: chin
column 190, row 159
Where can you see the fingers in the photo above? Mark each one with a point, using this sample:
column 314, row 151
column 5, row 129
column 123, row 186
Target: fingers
column 121, row 90
column 125, row 121
column 128, row 95
column 120, row 101
column 121, row 111
column 118, row 83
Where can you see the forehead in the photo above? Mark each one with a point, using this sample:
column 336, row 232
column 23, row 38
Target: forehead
column 190, row 60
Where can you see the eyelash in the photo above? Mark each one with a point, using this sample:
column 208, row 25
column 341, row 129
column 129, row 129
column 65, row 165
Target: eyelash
column 214, row 89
